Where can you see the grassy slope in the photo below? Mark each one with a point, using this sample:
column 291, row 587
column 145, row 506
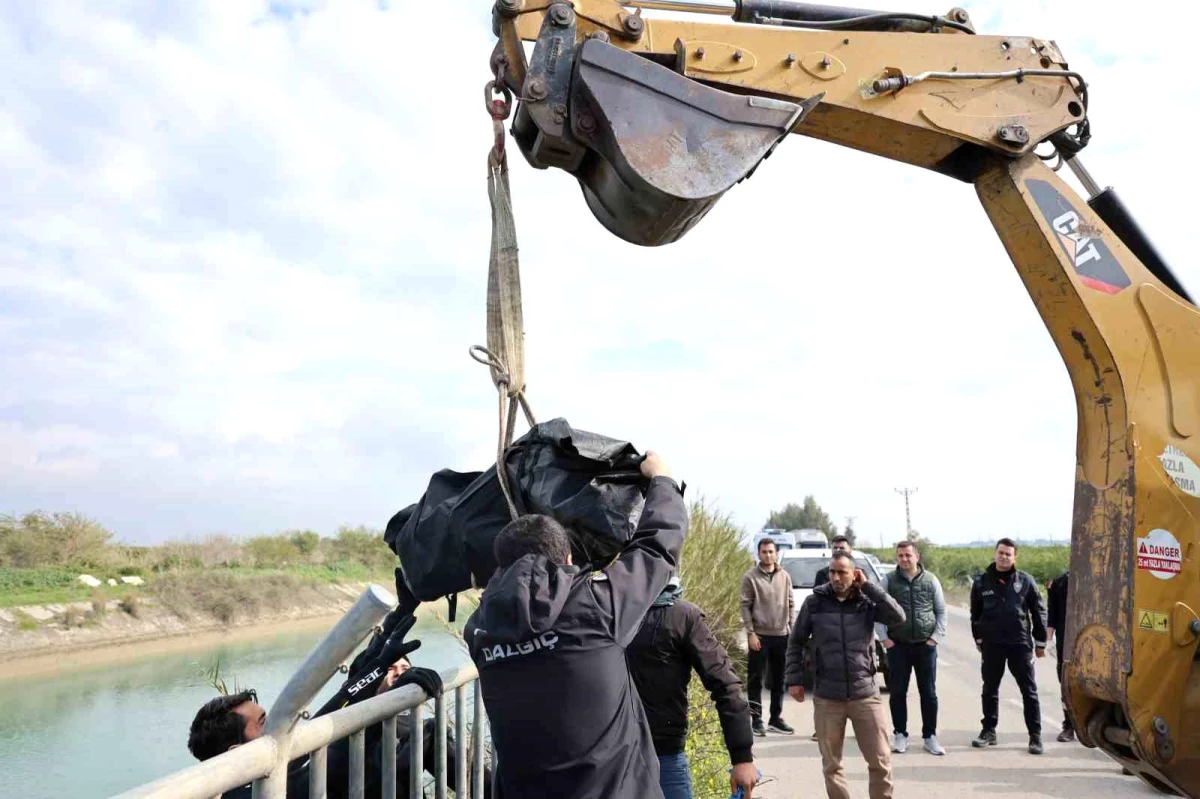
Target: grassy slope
column 44, row 586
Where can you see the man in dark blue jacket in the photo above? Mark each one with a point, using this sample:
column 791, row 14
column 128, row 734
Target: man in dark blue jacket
column 549, row 640
column 1009, row 626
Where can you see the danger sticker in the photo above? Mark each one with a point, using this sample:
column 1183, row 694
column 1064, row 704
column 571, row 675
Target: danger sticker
column 1159, row 553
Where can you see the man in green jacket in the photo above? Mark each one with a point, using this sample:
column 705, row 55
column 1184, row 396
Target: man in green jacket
column 912, row 645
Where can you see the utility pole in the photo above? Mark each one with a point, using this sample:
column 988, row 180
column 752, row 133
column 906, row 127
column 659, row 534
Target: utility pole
column 907, row 492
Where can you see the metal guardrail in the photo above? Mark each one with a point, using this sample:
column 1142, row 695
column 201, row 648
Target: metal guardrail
column 264, row 762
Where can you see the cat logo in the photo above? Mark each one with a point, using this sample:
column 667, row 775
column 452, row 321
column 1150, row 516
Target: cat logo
column 1082, row 249
column 1094, row 262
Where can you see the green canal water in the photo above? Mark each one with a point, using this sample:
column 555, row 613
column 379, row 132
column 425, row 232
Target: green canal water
column 95, row 732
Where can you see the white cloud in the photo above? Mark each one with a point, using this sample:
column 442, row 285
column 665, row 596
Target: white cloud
column 246, row 253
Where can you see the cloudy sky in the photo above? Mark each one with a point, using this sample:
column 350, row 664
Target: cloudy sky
column 243, row 252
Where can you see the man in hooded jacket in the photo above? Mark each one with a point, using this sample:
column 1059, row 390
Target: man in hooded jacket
column 549, row 641
column 674, row 641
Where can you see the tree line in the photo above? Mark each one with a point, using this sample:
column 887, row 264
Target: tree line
column 809, row 516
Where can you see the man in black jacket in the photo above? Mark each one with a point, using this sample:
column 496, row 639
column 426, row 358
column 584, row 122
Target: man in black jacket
column 549, row 641
column 227, row 722
column 673, row 641
column 1005, row 604
column 1056, row 628
column 840, row 543
column 840, row 619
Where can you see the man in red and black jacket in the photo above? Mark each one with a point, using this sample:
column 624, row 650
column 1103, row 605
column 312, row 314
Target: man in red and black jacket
column 674, row 640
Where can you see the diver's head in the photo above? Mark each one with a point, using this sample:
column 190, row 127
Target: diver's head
column 225, row 723
column 534, row 534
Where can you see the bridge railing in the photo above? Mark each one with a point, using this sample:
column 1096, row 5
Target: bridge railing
column 289, row 736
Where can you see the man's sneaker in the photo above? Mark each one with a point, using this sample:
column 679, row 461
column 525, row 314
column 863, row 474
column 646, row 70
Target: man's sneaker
column 933, row 747
column 986, row 738
column 780, row 726
column 1035, row 745
column 759, row 729
column 1066, row 736
column 899, row 743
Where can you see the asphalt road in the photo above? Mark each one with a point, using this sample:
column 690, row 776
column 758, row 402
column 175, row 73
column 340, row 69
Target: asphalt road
column 791, row 765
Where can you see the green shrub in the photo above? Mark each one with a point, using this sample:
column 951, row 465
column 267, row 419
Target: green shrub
column 271, row 551
column 132, row 605
column 958, row 565
column 58, row 539
column 306, row 542
column 711, row 570
column 29, row 580
column 363, row 545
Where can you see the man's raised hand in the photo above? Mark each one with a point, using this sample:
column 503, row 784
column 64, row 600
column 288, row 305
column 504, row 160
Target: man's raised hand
column 654, row 466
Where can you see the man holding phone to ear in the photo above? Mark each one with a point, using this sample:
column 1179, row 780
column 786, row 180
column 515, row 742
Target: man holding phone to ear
column 840, row 618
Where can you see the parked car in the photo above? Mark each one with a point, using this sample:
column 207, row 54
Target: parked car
column 803, row 565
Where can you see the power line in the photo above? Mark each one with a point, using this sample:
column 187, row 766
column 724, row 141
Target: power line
column 907, row 492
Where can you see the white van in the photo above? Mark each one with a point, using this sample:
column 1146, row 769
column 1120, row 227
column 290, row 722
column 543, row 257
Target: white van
column 783, row 540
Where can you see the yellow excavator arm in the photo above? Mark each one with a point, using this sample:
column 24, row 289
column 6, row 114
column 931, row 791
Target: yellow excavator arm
column 657, row 118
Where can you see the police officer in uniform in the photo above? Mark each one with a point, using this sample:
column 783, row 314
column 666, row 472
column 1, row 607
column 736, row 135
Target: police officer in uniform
column 1008, row 623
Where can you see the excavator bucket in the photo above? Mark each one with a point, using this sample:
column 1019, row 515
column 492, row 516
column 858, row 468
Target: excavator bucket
column 652, row 149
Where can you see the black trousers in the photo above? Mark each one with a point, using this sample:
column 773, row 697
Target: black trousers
column 1019, row 660
column 903, row 660
column 1058, row 666
column 768, row 661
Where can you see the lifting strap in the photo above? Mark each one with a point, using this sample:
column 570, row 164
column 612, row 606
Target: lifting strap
column 504, row 354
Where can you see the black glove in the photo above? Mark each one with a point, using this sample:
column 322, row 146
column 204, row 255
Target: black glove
column 387, row 642
column 427, row 680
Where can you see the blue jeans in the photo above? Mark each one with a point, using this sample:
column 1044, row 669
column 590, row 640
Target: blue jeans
column 903, row 660
column 674, row 776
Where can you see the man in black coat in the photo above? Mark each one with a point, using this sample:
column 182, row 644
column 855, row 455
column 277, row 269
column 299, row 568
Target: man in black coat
column 227, row 722
column 840, row 543
column 840, row 618
column 674, row 641
column 1056, row 628
column 1009, row 627
column 549, row 641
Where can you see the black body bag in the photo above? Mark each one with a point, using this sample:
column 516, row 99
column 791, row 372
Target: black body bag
column 590, row 484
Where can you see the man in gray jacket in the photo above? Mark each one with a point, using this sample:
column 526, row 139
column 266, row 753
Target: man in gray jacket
column 840, row 618
column 767, row 612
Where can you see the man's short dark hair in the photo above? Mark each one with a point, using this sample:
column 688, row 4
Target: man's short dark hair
column 217, row 726
column 765, row 541
column 843, row 556
column 840, row 539
column 1007, row 542
column 531, row 535
column 906, row 543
